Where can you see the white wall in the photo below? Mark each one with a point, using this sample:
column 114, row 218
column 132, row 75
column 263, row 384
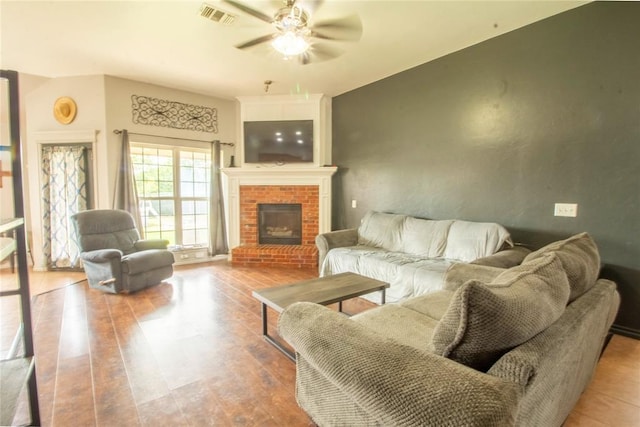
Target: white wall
column 104, row 104
column 119, row 116
column 88, row 94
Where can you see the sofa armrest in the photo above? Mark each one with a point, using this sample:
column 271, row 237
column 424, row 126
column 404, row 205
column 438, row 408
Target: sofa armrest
column 101, row 255
column 557, row 364
column 460, row 273
column 335, row 239
column 145, row 244
column 393, row 383
column 506, row 258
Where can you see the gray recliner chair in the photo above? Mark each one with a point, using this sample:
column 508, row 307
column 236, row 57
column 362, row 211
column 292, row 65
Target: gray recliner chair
column 115, row 259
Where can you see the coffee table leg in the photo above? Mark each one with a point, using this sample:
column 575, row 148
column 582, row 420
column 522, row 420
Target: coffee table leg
column 271, row 340
column 264, row 320
column 384, row 296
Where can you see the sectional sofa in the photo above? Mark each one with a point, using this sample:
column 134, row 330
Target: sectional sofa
column 495, row 347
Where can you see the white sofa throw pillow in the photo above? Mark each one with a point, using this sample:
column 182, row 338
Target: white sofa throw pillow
column 381, row 230
column 424, row 237
column 468, row 241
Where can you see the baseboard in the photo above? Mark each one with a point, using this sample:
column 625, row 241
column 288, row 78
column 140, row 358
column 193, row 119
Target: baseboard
column 624, row 331
column 193, row 261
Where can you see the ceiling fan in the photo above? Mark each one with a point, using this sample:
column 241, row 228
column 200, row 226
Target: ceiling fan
column 295, row 37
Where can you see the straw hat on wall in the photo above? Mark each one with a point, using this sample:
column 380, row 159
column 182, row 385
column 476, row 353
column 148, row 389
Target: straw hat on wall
column 64, row 110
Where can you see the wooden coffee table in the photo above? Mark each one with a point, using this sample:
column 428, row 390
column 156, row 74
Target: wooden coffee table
column 325, row 290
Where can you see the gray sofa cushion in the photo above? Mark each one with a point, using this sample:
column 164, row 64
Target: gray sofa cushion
column 485, row 321
column 580, row 258
column 505, row 257
column 434, row 304
column 460, row 273
column 406, row 326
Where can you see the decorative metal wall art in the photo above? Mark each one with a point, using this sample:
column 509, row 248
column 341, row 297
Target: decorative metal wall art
column 170, row 114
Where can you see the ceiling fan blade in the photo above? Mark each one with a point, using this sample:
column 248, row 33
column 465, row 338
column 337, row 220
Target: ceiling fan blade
column 349, row 28
column 255, row 13
column 305, row 58
column 319, row 53
column 318, row 35
column 254, row 42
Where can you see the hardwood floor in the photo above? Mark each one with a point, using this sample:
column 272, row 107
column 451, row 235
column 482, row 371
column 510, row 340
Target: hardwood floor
column 190, row 352
column 613, row 397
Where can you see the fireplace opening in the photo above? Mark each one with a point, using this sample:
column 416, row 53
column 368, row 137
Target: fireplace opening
column 280, row 224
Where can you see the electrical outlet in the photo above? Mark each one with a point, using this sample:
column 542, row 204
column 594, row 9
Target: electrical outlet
column 566, row 209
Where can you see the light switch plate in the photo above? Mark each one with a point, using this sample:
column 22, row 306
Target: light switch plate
column 566, row 209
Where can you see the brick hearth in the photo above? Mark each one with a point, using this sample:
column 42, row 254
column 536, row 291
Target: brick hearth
column 250, row 253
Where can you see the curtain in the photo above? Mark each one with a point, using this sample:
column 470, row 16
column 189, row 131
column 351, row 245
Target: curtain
column 126, row 195
column 217, row 228
column 64, row 193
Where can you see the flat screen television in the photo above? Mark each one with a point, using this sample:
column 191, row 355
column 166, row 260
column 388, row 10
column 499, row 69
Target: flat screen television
column 278, row 141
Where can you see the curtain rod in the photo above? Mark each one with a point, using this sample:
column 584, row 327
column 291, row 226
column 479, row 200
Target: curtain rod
column 119, row 131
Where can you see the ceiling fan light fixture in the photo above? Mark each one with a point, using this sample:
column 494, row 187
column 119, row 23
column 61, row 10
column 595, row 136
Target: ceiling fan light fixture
column 290, row 43
column 295, row 37
column 291, row 18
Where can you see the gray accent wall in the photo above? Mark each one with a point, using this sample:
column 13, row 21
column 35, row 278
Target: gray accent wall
column 502, row 130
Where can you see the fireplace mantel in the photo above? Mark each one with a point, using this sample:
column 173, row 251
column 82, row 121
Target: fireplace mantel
column 277, row 175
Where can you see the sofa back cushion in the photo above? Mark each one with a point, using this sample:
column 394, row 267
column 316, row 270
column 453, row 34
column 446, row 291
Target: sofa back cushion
column 468, row 241
column 382, row 230
column 580, row 258
column 425, row 237
column 485, row 321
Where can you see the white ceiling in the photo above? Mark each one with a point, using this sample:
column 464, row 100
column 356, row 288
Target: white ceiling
column 168, row 43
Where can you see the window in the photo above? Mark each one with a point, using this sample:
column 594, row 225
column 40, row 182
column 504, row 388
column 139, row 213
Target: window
column 173, row 188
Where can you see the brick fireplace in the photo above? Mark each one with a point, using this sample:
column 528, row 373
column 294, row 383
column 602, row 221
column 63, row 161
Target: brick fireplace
column 250, row 187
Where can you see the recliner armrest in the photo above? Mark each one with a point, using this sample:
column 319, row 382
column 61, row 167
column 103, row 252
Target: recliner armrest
column 101, row 255
column 393, row 383
column 335, row 239
column 144, row 244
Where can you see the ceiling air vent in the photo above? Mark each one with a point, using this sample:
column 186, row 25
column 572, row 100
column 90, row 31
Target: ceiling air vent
column 216, row 15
